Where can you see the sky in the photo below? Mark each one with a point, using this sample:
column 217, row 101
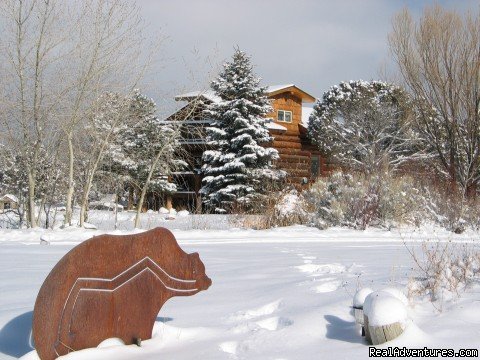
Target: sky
column 312, row 44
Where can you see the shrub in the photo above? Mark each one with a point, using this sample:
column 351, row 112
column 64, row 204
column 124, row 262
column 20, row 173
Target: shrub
column 452, row 211
column 357, row 200
column 279, row 208
column 443, row 270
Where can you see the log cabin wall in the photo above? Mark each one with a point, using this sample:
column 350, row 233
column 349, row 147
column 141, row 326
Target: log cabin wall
column 295, row 157
column 287, row 102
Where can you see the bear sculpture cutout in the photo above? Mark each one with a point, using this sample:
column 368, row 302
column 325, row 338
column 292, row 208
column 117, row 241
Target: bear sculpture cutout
column 112, row 286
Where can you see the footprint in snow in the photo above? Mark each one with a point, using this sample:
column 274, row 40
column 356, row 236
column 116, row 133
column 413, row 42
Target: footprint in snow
column 315, row 269
column 274, row 323
column 229, row 347
column 264, row 310
column 327, row 287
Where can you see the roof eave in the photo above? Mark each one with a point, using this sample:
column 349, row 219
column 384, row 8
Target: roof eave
column 306, row 97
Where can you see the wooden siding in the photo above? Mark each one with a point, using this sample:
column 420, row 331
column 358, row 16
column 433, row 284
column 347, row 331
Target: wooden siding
column 289, row 102
column 293, row 148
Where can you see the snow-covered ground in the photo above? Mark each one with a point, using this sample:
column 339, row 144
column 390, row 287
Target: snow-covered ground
column 277, row 294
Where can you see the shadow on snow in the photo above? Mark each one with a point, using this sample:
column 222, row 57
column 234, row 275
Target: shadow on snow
column 16, row 336
column 343, row 330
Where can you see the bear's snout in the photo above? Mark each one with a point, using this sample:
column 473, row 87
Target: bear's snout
column 203, row 283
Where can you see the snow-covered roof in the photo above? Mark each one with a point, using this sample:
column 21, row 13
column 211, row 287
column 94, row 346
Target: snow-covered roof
column 273, row 88
column 274, row 126
column 9, row 197
column 306, row 97
column 210, row 95
column 207, row 94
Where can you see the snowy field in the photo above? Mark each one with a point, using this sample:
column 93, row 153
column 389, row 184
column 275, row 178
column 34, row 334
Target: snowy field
column 276, row 294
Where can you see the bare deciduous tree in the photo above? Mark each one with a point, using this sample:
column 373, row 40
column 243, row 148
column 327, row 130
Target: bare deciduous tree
column 439, row 59
column 29, row 50
column 105, row 55
column 108, row 118
column 57, row 57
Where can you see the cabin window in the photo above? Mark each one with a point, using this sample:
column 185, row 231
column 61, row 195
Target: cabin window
column 284, row 116
column 315, row 166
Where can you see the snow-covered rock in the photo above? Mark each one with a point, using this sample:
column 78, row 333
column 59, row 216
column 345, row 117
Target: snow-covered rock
column 163, row 210
column 183, row 213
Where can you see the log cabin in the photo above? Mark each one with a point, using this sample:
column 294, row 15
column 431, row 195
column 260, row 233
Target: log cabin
column 288, row 126
column 8, row 202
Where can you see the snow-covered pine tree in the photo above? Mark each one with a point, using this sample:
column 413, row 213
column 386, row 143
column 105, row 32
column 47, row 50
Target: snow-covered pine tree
column 237, row 165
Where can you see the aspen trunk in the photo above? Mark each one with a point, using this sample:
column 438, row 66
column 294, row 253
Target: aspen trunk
column 145, row 187
column 83, row 209
column 32, row 220
column 130, row 197
column 69, row 204
column 88, row 185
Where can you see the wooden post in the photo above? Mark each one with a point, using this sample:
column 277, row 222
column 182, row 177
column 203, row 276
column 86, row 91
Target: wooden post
column 367, row 329
column 359, row 317
column 382, row 334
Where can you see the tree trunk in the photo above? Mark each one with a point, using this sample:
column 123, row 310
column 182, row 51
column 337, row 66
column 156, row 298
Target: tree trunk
column 31, row 200
column 91, row 175
column 40, row 209
column 84, row 205
column 471, row 191
column 83, row 208
column 130, row 197
column 140, row 203
column 70, row 191
column 145, row 187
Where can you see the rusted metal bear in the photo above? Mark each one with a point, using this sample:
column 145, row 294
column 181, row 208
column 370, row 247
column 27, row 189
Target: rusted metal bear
column 112, row 286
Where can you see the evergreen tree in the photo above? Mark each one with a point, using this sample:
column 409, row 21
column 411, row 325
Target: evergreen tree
column 237, row 165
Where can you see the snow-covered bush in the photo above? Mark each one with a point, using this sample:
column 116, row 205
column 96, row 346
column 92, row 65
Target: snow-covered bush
column 279, row 208
column 358, row 200
column 443, row 270
column 291, row 209
column 452, row 210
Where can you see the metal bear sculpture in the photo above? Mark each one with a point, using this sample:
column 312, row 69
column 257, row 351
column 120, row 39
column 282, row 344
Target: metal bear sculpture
column 112, row 286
